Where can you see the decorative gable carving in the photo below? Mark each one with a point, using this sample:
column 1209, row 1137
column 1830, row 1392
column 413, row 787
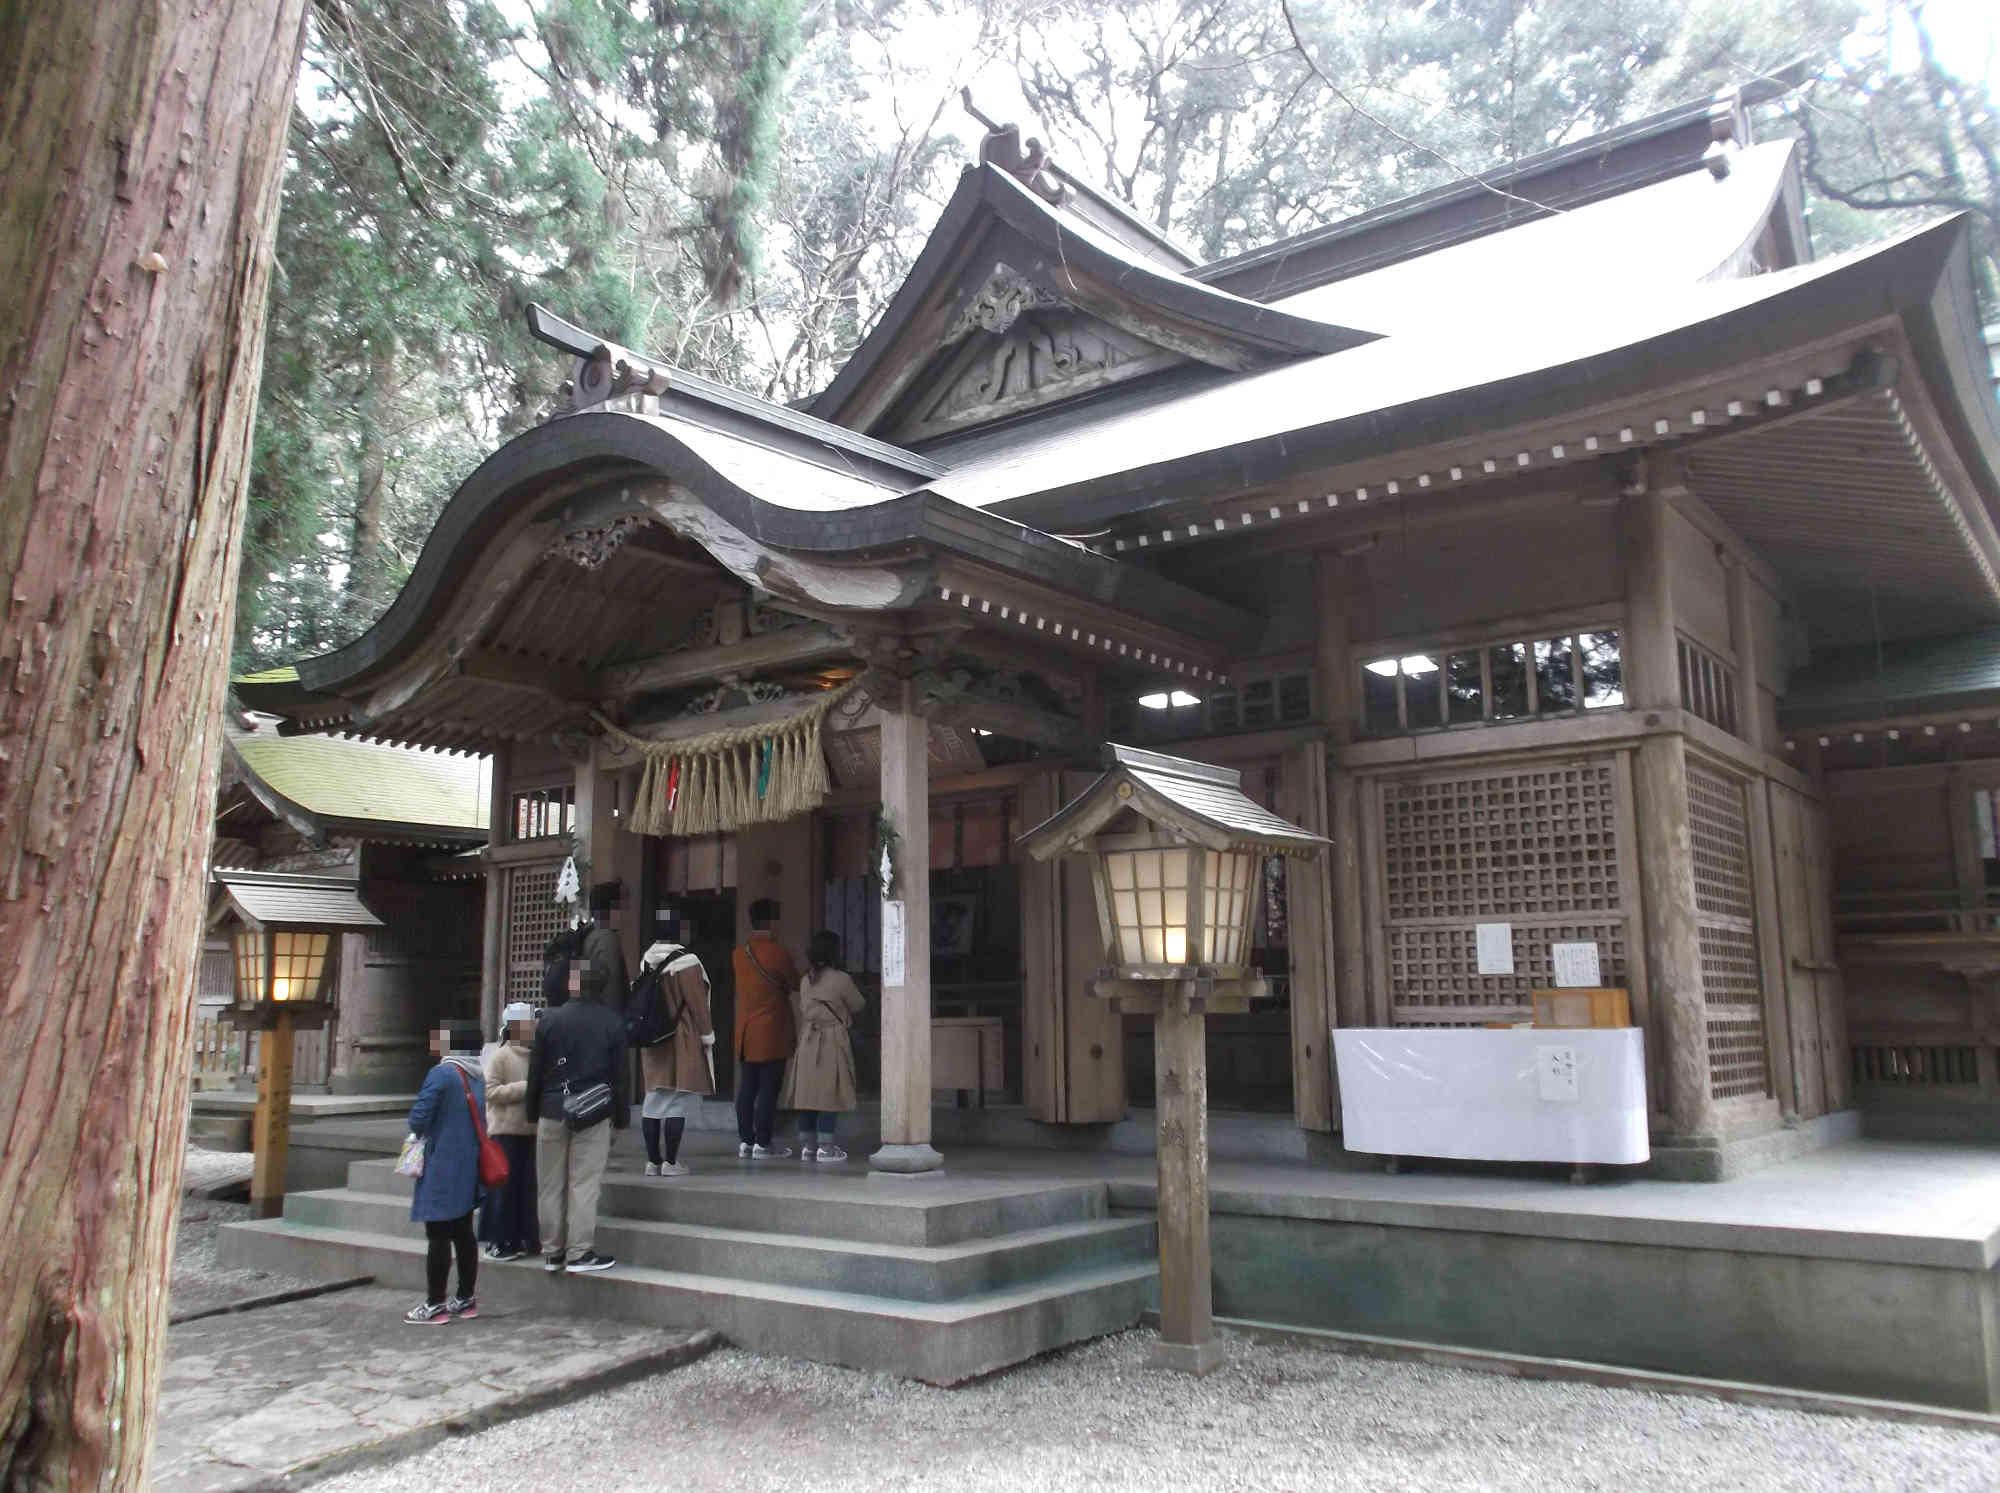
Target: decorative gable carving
column 1017, row 348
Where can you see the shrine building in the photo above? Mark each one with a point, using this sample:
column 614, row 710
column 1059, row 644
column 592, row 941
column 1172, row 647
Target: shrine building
column 1573, row 549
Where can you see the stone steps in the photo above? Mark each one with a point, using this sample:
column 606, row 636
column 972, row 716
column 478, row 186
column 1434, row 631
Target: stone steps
column 905, row 1272
column 940, row 1280
column 790, row 1197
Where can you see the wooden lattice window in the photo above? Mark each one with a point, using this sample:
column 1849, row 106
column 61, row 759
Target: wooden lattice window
column 1522, row 841
column 1726, row 928
column 1536, row 847
column 532, row 920
column 1708, row 686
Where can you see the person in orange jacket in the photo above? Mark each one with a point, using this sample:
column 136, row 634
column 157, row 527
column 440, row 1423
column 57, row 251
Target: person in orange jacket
column 765, row 1031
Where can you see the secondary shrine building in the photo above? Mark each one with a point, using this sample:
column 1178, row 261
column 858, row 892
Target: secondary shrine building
column 1582, row 556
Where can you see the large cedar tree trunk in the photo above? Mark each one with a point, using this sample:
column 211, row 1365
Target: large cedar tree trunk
column 142, row 143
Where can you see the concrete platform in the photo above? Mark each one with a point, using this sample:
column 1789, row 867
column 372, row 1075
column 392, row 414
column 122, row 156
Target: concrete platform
column 1863, row 1268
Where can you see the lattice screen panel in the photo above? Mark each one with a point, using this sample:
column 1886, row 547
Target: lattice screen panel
column 532, row 920
column 1535, row 847
column 1732, row 986
column 1433, row 979
column 1514, row 843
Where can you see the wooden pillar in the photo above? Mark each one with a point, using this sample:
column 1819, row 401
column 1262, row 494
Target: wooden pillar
column 1659, row 791
column 596, row 824
column 1180, row 1080
column 906, row 973
column 1348, row 977
column 271, row 1126
column 1309, row 904
column 493, row 940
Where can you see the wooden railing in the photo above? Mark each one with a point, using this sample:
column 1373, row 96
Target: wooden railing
column 1883, row 912
column 218, row 1054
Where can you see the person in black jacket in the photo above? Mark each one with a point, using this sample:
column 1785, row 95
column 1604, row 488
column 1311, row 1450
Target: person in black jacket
column 576, row 1048
column 601, row 959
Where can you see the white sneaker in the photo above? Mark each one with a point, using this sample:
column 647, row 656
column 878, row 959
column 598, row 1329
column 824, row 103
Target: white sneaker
column 743, row 1148
column 806, row 1153
column 652, row 1168
column 832, row 1153
column 673, row 1168
column 770, row 1153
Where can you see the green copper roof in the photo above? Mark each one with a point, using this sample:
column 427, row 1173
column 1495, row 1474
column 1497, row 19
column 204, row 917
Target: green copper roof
column 339, row 778
column 1924, row 675
column 284, row 674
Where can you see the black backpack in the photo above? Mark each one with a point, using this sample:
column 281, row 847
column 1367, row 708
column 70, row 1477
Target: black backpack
column 564, row 947
column 649, row 1020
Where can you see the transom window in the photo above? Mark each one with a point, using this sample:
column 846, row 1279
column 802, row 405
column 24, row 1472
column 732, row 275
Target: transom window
column 1491, row 683
column 541, row 813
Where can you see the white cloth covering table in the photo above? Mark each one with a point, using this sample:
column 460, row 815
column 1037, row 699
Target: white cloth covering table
column 1477, row 1094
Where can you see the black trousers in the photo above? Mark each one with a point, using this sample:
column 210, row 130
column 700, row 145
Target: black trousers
column 757, row 1100
column 663, row 1139
column 448, row 1236
column 508, row 1214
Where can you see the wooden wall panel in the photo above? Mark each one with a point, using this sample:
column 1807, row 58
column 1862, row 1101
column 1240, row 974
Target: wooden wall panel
column 1699, row 586
column 1460, row 578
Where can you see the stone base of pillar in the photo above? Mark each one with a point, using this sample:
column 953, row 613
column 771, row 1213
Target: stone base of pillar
column 1198, row 1359
column 907, row 1161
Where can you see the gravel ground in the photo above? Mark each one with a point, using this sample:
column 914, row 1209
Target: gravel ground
column 1093, row 1417
column 199, row 1283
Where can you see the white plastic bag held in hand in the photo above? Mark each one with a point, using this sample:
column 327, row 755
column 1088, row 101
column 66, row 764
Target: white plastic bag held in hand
column 410, row 1162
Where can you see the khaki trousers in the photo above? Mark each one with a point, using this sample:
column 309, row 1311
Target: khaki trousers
column 569, row 1171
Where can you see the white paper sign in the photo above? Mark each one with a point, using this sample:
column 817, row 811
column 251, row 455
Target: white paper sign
column 1576, row 964
column 892, row 943
column 1555, row 1071
column 1496, row 948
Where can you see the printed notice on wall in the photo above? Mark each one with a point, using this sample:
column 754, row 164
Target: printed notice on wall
column 892, row 943
column 1576, row 964
column 1555, row 1071
column 1496, row 948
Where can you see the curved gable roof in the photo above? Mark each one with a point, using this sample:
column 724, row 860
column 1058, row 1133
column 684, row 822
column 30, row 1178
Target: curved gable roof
column 993, row 220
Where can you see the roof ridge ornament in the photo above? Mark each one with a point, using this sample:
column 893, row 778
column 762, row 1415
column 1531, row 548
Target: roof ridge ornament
column 1002, row 148
column 604, row 370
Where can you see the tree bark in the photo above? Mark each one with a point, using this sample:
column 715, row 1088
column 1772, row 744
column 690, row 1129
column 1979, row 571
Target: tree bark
column 366, row 578
column 144, row 144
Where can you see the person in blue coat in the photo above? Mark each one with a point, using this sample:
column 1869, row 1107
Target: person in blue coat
column 448, row 1190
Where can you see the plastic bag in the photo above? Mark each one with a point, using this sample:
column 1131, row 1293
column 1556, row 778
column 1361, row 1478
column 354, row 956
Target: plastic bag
column 410, row 1163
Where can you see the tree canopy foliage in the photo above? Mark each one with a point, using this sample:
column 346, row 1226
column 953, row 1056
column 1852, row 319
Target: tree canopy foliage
column 740, row 185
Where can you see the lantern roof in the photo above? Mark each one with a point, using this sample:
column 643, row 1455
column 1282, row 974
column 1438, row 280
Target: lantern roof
column 292, row 899
column 1202, row 802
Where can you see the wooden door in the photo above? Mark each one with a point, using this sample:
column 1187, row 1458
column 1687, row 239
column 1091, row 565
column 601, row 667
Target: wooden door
column 1072, row 1055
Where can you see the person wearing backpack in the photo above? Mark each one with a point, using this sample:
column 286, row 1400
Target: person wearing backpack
column 579, row 1087
column 448, row 1188
column 667, row 1018
column 765, row 978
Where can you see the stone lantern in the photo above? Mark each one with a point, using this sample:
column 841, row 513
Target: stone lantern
column 281, row 938
column 1175, row 847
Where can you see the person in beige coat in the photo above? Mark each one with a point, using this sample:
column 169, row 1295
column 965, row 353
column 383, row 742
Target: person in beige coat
column 680, row 1070
column 508, row 1224
column 819, row 1083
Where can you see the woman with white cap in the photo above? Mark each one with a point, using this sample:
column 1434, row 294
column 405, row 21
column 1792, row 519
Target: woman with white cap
column 510, row 1227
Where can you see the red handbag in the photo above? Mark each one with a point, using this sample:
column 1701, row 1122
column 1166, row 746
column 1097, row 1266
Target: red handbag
column 492, row 1160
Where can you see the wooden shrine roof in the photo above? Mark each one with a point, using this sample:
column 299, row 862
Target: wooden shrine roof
column 365, row 790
